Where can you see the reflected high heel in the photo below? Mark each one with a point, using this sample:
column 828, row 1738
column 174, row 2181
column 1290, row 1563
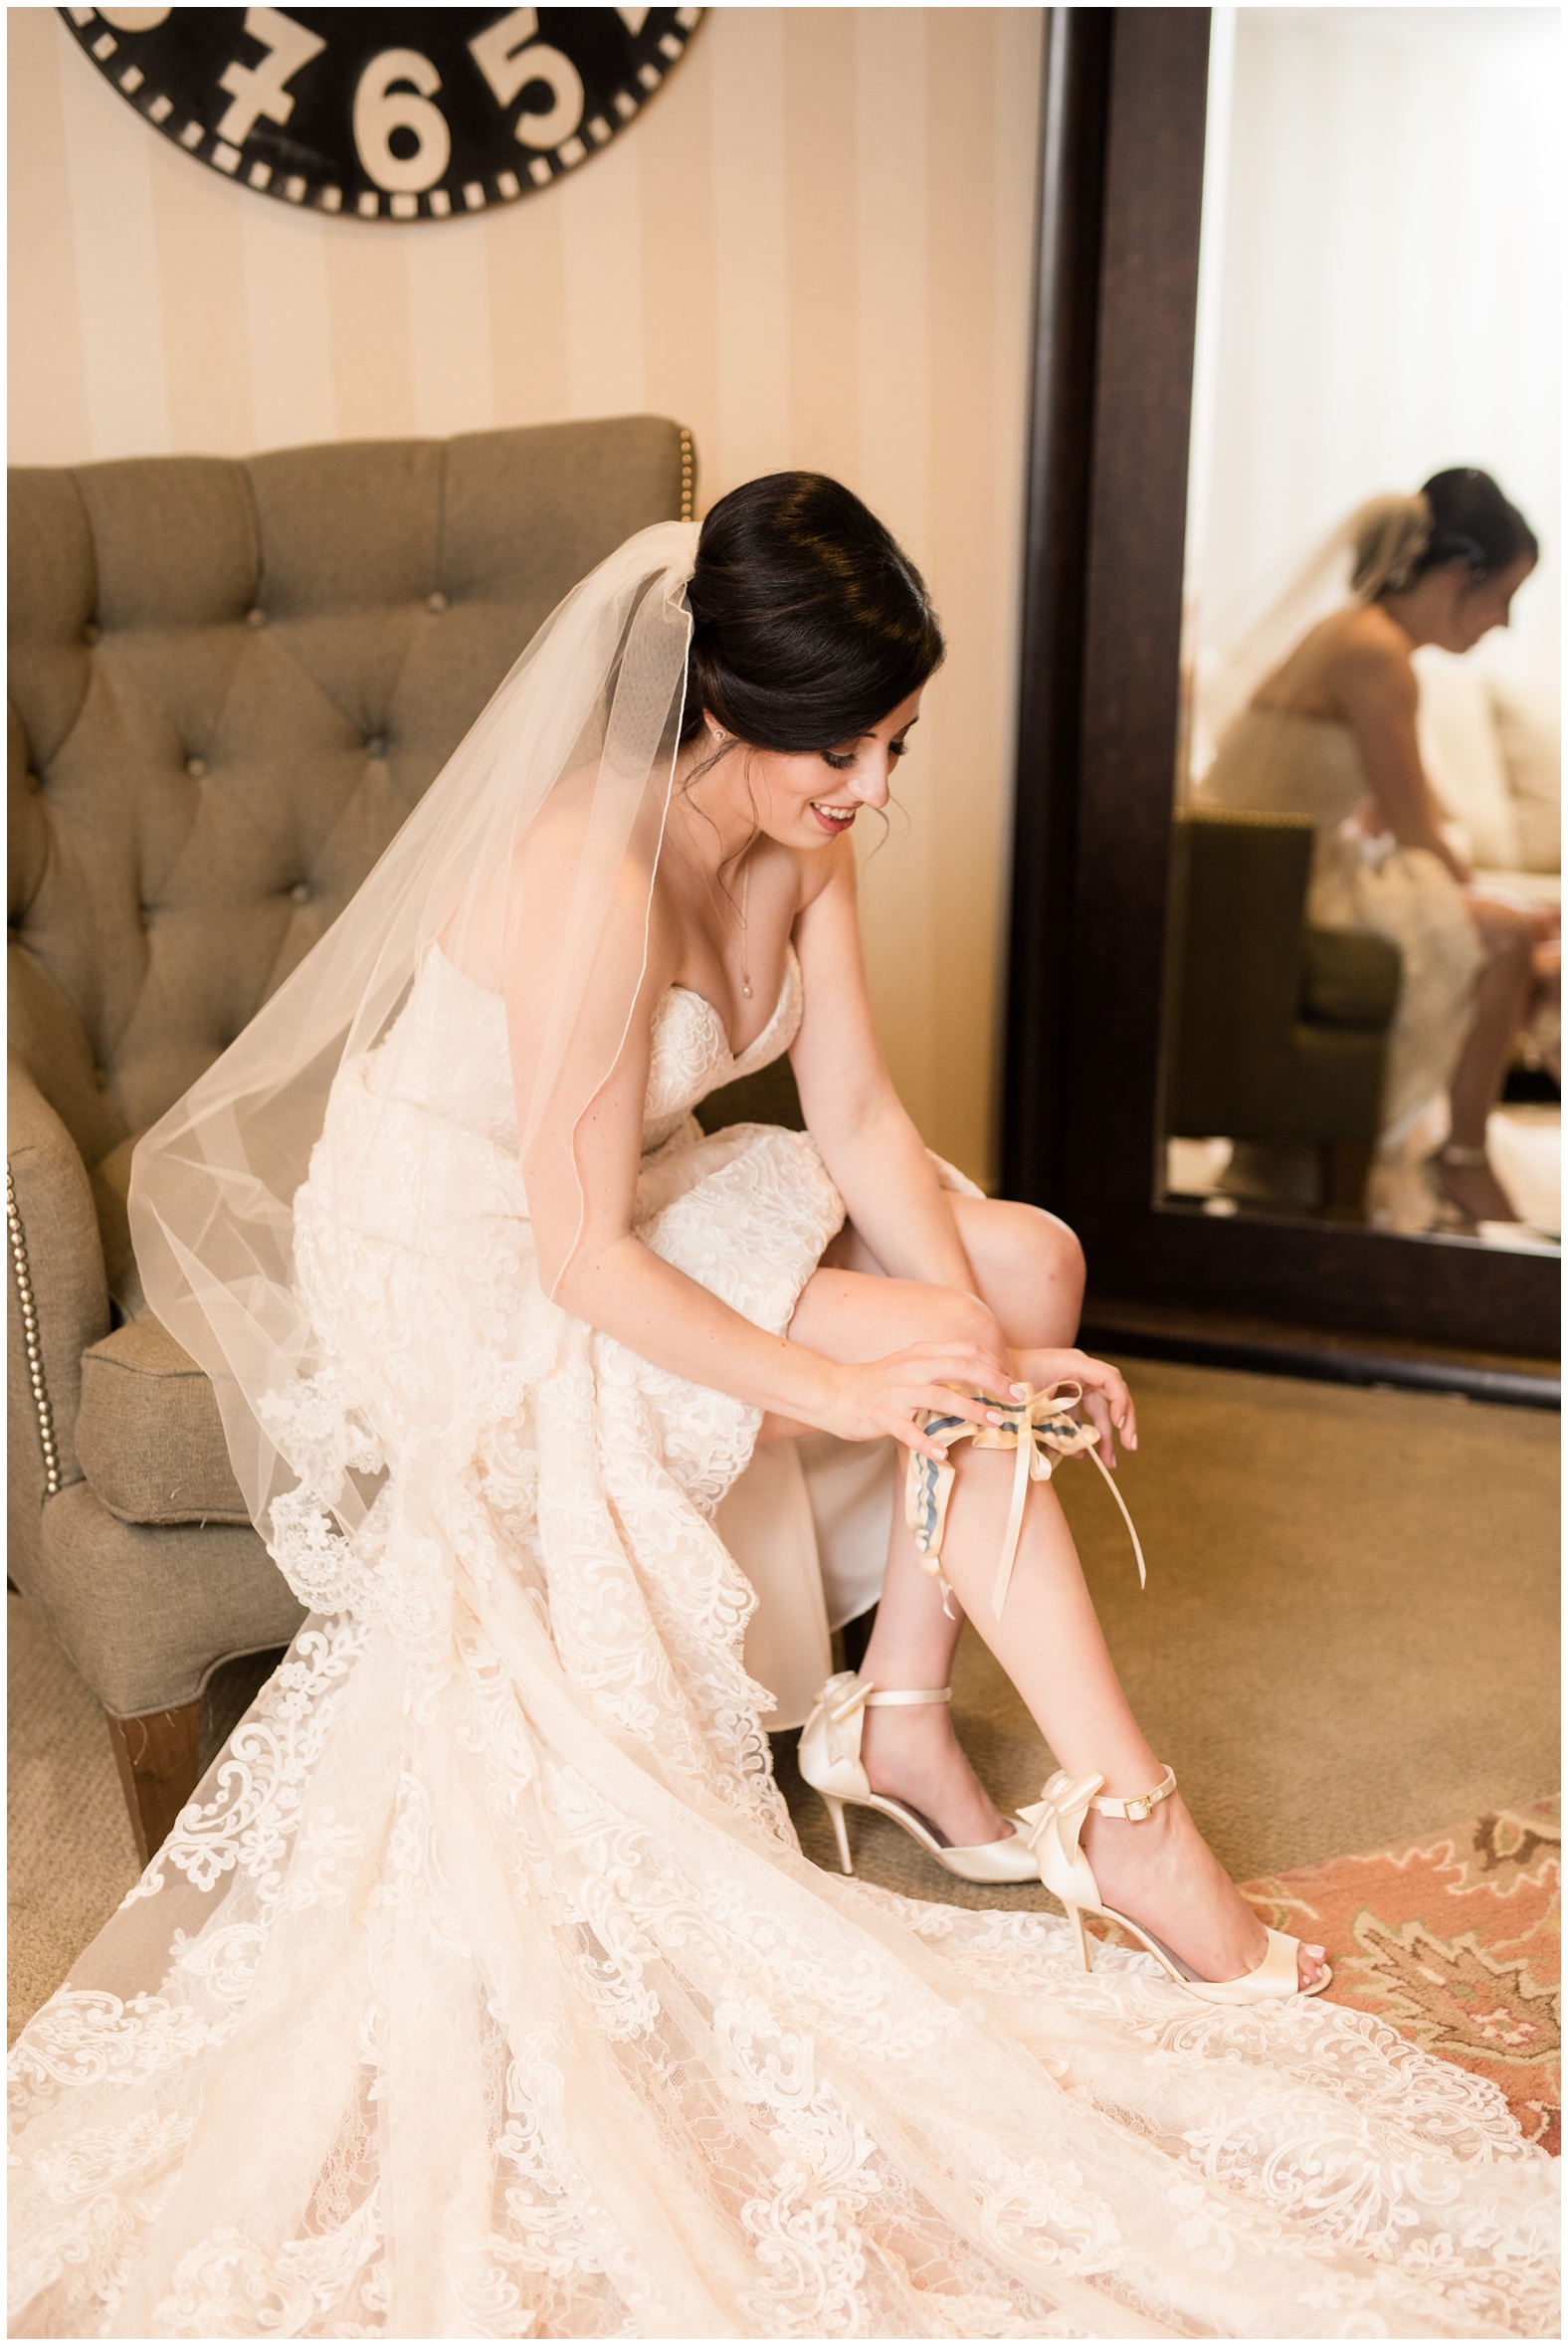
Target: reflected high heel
column 829, row 1762
column 1054, row 1823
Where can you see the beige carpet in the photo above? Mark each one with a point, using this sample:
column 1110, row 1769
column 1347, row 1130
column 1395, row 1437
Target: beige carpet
column 1349, row 1631
column 1350, row 1634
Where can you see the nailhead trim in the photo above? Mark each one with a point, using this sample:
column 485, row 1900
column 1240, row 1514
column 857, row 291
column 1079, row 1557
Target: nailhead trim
column 35, row 1350
column 687, row 475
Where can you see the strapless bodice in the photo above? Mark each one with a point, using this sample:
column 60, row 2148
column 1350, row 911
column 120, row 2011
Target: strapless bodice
column 691, row 1054
column 452, row 1051
column 1280, row 761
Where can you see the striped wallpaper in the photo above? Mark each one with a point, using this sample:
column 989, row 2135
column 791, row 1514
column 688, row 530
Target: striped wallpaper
column 814, row 248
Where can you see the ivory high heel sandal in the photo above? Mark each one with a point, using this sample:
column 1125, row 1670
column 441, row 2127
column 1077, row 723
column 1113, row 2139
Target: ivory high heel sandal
column 829, row 1762
column 1055, row 1821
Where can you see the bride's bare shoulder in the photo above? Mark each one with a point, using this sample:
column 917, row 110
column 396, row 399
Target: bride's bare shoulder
column 1368, row 651
column 564, row 866
column 571, row 834
column 1352, row 648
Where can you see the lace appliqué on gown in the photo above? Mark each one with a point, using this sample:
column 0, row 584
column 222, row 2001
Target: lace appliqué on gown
column 484, row 1992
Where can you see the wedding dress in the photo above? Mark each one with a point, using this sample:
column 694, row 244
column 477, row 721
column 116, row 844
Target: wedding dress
column 1284, row 762
column 484, row 1990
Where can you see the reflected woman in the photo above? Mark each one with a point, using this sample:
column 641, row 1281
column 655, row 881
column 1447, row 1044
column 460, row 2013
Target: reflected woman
column 1330, row 732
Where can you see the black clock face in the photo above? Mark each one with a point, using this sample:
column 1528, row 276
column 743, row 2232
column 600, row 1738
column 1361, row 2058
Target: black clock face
column 387, row 114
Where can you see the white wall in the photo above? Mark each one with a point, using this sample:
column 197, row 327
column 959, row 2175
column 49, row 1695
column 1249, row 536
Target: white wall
column 1381, row 284
column 814, row 248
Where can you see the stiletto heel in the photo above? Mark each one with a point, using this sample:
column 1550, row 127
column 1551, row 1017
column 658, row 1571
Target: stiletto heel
column 835, row 1807
column 1054, row 1823
column 829, row 1762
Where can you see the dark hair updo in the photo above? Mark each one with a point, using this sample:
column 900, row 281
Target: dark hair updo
column 808, row 624
column 1473, row 522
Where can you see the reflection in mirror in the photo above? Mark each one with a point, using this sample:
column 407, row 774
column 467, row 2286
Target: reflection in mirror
column 1363, row 982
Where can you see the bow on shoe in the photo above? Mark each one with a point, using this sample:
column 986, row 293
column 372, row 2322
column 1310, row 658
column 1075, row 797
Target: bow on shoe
column 1053, row 1824
column 1035, row 1427
column 830, row 1741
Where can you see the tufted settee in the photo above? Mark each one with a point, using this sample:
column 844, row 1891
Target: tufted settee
column 230, row 683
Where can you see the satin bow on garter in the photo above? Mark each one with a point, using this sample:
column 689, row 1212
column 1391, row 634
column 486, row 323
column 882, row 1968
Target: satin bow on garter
column 1034, row 1428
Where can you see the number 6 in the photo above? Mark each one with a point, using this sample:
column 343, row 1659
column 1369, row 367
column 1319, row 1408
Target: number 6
column 379, row 109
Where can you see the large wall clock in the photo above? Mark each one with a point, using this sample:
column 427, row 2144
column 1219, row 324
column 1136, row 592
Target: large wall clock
column 387, row 114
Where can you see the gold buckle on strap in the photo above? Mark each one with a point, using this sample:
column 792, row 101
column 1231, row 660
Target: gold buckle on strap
column 1138, row 1810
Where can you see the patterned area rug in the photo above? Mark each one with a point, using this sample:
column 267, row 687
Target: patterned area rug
column 1455, row 1942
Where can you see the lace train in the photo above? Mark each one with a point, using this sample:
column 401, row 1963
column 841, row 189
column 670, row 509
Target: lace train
column 476, row 2022
column 483, row 1991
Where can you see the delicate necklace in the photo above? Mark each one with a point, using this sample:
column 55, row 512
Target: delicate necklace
column 745, row 946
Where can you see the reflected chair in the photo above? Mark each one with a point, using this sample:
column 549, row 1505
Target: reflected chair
column 1278, row 1031
column 230, row 683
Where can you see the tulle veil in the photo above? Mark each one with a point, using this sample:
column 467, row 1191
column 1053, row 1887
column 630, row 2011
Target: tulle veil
column 529, row 863
column 1236, row 645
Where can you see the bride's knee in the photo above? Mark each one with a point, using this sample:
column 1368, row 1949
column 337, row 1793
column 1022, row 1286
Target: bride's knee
column 947, row 1315
column 1508, row 935
column 1032, row 1265
column 1050, row 1249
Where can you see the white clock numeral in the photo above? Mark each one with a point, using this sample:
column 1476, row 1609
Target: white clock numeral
column 497, row 51
column 131, row 20
column 634, row 19
column 509, row 57
column 258, row 89
column 379, row 109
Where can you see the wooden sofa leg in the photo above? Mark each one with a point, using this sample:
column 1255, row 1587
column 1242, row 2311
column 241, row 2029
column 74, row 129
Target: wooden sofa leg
column 156, row 1755
column 1346, row 1166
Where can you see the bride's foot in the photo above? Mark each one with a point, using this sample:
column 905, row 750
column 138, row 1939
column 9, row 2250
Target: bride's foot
column 912, row 1755
column 1162, row 1873
column 1472, row 1186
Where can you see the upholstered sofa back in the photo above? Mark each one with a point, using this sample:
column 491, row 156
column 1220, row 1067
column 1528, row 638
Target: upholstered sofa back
column 230, row 683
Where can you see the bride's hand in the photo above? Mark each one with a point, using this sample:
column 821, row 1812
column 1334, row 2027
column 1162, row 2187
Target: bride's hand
column 1106, row 1402
column 876, row 1397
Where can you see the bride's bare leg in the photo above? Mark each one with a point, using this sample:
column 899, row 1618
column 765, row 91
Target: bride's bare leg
column 1029, row 1267
column 1501, row 996
column 1049, row 1641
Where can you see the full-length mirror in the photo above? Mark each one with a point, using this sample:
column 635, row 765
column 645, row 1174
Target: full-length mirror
column 1362, row 991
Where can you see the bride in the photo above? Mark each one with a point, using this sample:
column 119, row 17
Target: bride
column 484, row 1990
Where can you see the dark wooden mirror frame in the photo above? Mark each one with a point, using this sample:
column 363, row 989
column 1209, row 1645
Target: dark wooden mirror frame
column 1122, row 149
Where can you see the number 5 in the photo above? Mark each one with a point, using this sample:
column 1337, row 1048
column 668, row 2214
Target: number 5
column 509, row 58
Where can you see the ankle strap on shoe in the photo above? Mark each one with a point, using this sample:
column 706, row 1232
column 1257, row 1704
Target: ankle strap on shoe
column 863, row 1695
column 1136, row 1811
column 1463, row 1160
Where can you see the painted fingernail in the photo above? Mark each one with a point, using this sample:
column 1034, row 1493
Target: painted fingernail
column 1020, row 1392
column 994, row 1417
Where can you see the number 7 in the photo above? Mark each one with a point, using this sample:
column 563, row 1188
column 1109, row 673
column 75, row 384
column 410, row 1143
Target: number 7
column 258, row 89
